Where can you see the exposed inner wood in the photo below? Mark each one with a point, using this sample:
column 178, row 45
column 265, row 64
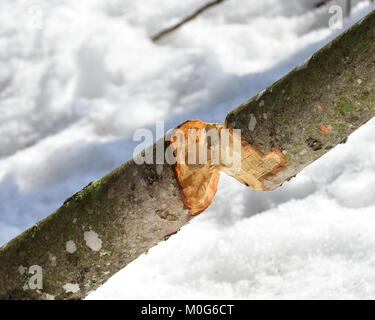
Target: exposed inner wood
column 198, row 179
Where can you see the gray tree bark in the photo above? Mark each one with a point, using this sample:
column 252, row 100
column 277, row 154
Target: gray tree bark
column 113, row 220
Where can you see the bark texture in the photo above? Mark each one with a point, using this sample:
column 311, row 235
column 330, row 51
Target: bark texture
column 112, row 221
column 317, row 105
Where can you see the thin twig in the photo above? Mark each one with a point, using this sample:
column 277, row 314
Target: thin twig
column 164, row 32
column 322, row 3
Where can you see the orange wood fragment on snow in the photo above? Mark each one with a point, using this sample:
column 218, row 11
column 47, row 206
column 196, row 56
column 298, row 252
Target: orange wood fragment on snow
column 324, row 129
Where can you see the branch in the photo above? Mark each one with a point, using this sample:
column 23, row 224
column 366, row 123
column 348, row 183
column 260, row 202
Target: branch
column 322, row 3
column 195, row 14
column 112, row 221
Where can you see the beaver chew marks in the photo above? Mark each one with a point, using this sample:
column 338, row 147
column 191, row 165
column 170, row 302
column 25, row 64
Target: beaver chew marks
column 201, row 153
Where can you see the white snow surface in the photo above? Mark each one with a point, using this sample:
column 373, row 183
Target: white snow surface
column 78, row 77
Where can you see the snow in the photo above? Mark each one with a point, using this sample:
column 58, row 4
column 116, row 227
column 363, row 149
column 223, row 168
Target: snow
column 77, row 78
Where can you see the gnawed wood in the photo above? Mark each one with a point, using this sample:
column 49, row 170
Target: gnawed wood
column 198, row 175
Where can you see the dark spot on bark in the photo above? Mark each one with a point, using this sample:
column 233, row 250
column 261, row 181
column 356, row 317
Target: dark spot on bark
column 314, row 144
column 14, row 294
column 82, row 275
column 344, row 141
column 73, row 259
column 152, row 180
column 166, row 237
column 151, row 176
column 274, row 140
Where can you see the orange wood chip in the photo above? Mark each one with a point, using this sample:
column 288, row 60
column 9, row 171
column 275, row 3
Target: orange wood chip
column 320, row 108
column 324, row 129
column 198, row 182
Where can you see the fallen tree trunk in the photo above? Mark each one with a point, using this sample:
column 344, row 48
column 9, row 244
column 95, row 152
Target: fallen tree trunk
column 112, row 221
